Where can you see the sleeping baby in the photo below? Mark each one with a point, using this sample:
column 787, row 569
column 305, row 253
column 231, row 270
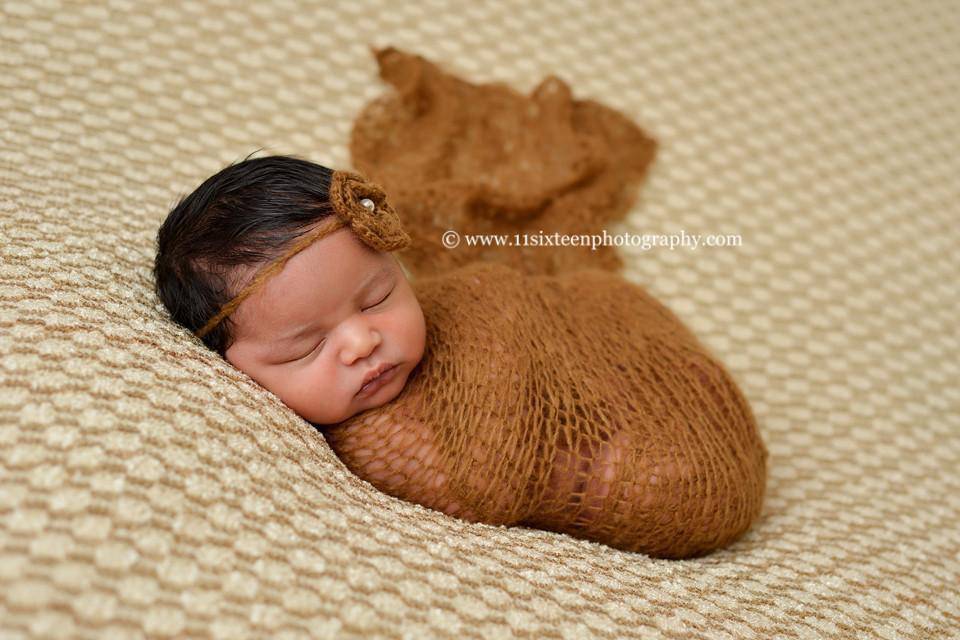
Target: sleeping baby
column 575, row 403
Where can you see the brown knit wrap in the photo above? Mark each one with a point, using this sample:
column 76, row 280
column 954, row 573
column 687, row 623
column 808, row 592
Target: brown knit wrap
column 575, row 403
column 378, row 227
column 567, row 399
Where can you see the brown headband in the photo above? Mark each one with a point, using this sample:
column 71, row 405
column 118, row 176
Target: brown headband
column 357, row 203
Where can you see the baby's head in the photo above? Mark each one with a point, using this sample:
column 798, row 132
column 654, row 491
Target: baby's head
column 311, row 320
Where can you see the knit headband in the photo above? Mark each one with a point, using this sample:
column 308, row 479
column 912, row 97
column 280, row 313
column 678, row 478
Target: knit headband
column 357, row 203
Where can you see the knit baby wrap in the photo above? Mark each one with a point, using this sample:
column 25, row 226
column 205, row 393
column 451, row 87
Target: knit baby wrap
column 575, row 403
column 552, row 392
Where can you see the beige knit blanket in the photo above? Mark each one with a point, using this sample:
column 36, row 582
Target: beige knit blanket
column 148, row 489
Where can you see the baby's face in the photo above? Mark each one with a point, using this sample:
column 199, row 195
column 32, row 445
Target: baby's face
column 317, row 330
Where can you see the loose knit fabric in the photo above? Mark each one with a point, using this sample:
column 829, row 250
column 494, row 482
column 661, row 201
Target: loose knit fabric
column 483, row 158
column 575, row 403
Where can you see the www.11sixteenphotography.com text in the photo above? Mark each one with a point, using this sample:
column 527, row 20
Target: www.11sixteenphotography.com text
column 644, row 241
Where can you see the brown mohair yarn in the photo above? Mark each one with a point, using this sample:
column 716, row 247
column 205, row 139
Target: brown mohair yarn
column 486, row 159
column 573, row 402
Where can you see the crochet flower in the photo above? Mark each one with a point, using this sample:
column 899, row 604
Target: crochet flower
column 363, row 205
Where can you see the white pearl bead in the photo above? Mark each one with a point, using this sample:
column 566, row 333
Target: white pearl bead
column 368, row 203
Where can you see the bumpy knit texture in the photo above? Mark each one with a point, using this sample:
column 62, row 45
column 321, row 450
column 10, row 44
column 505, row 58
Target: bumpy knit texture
column 575, row 403
column 150, row 490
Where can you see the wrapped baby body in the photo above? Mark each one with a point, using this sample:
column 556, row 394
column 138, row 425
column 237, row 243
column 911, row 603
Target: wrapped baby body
column 574, row 403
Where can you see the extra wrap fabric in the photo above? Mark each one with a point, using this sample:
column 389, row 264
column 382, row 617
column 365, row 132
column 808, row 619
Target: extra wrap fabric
column 572, row 402
column 486, row 159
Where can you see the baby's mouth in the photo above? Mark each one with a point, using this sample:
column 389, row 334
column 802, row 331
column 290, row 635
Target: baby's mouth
column 372, row 385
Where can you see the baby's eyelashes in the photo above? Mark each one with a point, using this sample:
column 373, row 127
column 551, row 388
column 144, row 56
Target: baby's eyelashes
column 382, row 300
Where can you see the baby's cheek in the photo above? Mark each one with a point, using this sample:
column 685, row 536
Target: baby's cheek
column 412, row 327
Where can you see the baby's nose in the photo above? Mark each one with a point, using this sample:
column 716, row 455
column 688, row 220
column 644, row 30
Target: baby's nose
column 360, row 343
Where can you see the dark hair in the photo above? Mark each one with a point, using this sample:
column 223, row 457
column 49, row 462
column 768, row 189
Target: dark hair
column 247, row 214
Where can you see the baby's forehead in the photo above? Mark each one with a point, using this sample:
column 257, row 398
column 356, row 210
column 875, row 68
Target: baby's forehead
column 315, row 280
column 325, row 254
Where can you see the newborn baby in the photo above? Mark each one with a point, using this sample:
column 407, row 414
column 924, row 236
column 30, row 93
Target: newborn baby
column 446, row 394
column 336, row 332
